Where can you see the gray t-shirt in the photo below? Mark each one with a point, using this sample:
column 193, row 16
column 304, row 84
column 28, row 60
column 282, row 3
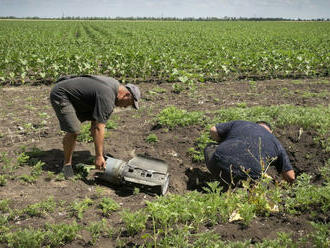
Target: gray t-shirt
column 93, row 97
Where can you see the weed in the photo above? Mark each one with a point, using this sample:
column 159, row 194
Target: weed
column 178, row 238
column 108, row 206
column 96, row 229
column 79, row 207
column 35, row 173
column 152, row 138
column 172, row 117
column 27, row 238
column 35, row 152
column 60, row 234
column 3, row 180
column 305, row 196
column 134, row 221
column 136, row 191
column 178, row 87
column 321, row 235
column 111, row 124
column 40, row 208
column 253, row 85
column 85, row 135
column 157, row 90
column 241, row 104
column 50, row 175
column 99, row 191
column 4, row 206
column 27, row 178
column 60, row 177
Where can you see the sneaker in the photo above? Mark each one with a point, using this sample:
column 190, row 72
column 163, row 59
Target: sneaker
column 67, row 171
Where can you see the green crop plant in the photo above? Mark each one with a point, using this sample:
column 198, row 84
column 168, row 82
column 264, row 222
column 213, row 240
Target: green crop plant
column 173, row 117
column 152, row 138
column 135, row 222
column 79, row 207
column 108, row 206
column 175, row 50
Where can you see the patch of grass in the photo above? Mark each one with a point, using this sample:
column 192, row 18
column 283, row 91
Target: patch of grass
column 3, row 180
column 306, row 196
column 135, row 222
column 34, row 174
column 173, row 117
column 178, row 87
column 152, row 138
column 108, row 206
column 51, row 236
column 26, row 238
column 111, row 124
column 156, row 90
column 60, row 234
column 4, row 206
column 85, row 133
column 279, row 116
column 97, row 229
column 241, row 104
column 38, row 209
column 79, row 207
column 321, row 235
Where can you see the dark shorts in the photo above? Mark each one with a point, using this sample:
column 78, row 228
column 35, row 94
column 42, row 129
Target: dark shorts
column 66, row 115
column 227, row 174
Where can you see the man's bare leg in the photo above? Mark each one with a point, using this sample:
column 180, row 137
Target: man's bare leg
column 69, row 143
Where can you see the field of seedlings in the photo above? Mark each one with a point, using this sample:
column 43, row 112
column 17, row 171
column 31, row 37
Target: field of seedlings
column 192, row 75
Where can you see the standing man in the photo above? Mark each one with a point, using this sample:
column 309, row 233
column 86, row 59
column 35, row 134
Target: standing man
column 76, row 99
column 246, row 149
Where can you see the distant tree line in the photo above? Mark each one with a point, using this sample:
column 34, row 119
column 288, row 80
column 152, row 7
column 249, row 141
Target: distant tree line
column 226, row 18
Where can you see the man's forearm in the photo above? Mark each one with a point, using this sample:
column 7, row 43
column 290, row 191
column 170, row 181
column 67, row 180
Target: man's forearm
column 98, row 136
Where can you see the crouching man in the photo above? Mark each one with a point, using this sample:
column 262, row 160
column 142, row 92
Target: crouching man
column 245, row 149
column 76, row 99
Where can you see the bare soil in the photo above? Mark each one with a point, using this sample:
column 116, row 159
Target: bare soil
column 27, row 121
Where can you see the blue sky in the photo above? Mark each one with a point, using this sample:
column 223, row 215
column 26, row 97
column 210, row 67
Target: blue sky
column 305, row 9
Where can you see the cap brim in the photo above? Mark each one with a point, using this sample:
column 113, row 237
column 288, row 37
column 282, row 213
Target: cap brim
column 136, row 105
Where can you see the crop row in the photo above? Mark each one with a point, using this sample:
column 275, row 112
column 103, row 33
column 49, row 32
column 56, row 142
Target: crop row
column 43, row 50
